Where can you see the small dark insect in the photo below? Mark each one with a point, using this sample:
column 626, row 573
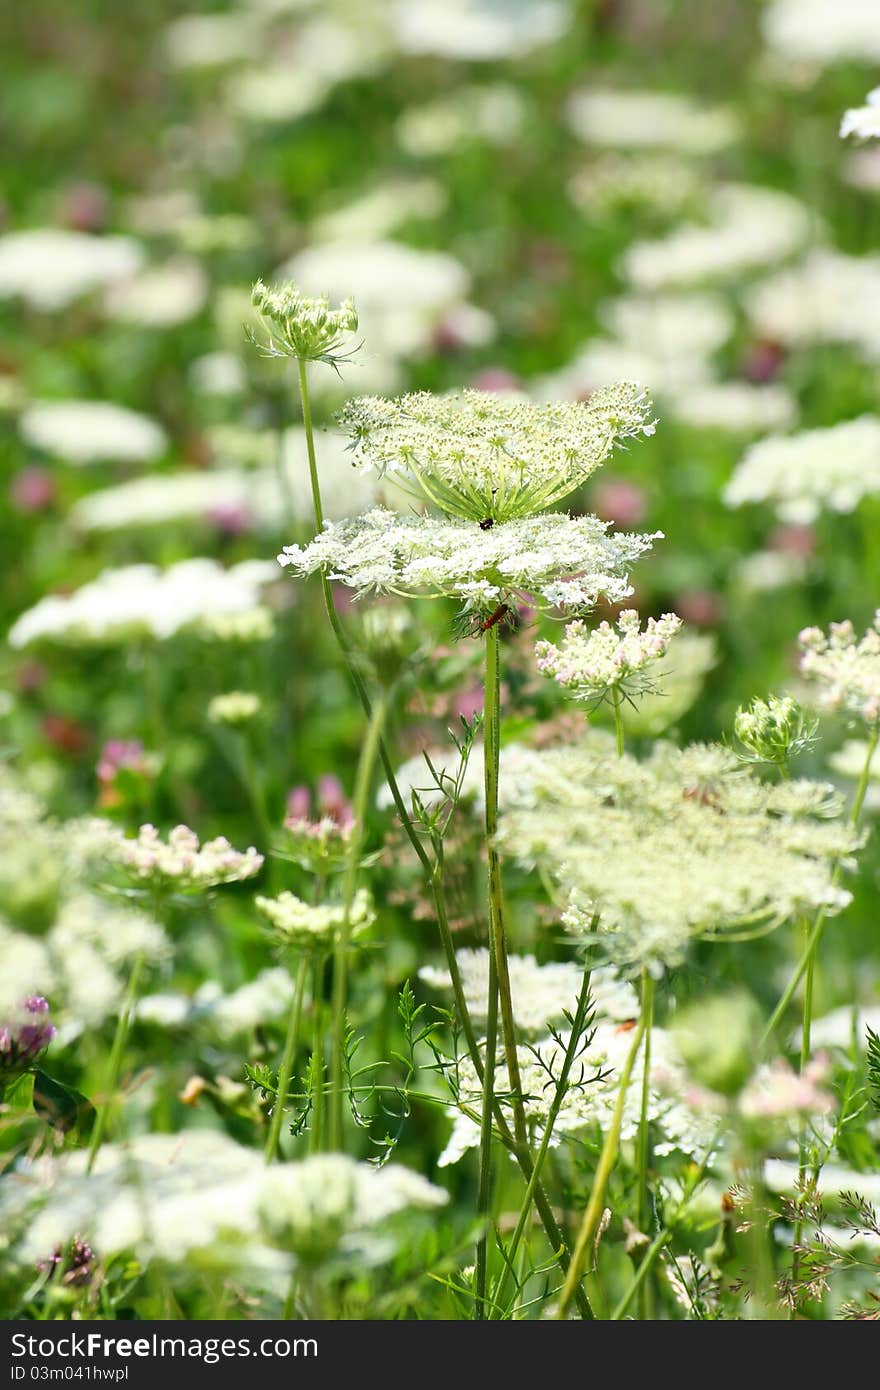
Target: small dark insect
column 706, row 797
column 627, row 1026
column 498, row 616
column 487, row 524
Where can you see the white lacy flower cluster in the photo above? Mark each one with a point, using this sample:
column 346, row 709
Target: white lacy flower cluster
column 748, row 227
column 181, row 862
column 169, row 1196
column 141, row 601
column 564, row 561
column 661, row 182
column 806, row 473
column 593, row 665
column 846, row 669
column 542, row 994
column 863, row 121
column 50, row 267
column 685, row 844
column 645, row 120
column 227, row 1015
column 490, row 112
column 588, row 1107
column 828, row 297
column 295, row 326
column 307, row 926
column 92, row 432
column 493, row 456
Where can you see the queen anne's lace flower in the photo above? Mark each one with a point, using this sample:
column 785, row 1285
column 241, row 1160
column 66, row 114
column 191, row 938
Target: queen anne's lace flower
column 776, row 1091
column 816, row 32
column 773, row 730
column 588, row 1106
column 180, row 862
column 828, row 297
column 863, row 121
column 50, row 267
column 542, row 994
column 593, row 665
column 305, row 926
column 488, row 456
column 846, row 669
column 565, row 561
column 307, row 329
column 688, row 843
column 830, row 468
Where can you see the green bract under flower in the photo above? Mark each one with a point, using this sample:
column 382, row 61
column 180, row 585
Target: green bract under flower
column 307, row 329
column 487, row 456
column 688, row 843
column 563, row 561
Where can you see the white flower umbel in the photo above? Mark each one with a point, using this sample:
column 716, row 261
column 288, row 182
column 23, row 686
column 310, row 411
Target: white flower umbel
column 92, row 432
column 493, row 113
column 181, row 862
column 542, row 994
column 748, row 227
column 691, row 325
column 737, row 407
column 306, row 926
column 161, row 296
column 563, row 561
column 487, row 456
column 588, row 1107
column 142, row 601
column 593, row 666
column 631, row 120
column 803, row 474
column 863, row 121
column 49, row 267
column 687, row 843
column 665, row 183
column 846, row 668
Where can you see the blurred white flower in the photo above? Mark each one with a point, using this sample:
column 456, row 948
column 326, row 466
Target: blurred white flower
column 479, row 30
column 828, row 298
column 212, row 40
column 542, row 994
column 748, row 227
column 493, row 112
column 863, row 121
column 143, row 601
column 218, row 374
column 645, row 120
column 381, row 210
column 234, row 707
column 739, row 407
column 92, row 432
column 823, row 31
column 803, row 474
column 50, row 267
column 161, row 296
column 690, row 325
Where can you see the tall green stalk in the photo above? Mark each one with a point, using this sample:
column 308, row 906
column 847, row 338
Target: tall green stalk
column 114, row 1064
column 285, row 1071
column 596, row 1204
column 808, row 955
column 432, row 871
column 363, row 780
column 316, row 1129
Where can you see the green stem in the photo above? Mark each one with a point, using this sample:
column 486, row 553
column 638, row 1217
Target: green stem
column 114, row 1064
column 607, row 1159
column 814, row 937
column 317, row 1126
column 559, row 1095
column 643, row 1216
column 484, row 1190
column 618, row 721
column 285, row 1071
column 363, row 780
